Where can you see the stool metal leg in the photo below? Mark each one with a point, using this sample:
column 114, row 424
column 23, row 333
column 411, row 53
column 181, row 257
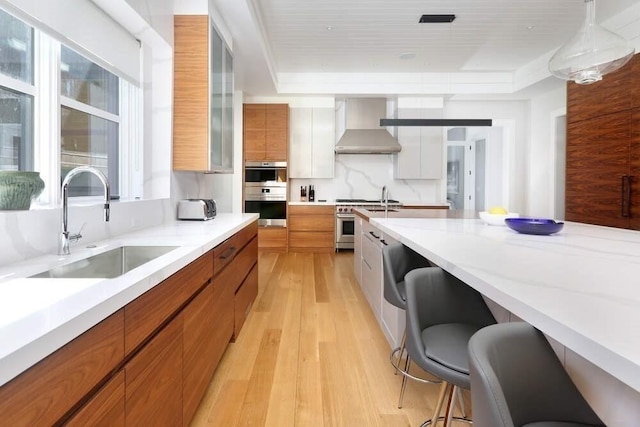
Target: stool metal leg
column 460, row 401
column 407, row 365
column 444, row 392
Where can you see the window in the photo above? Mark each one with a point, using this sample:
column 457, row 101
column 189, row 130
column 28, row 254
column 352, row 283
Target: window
column 89, row 123
column 81, row 113
column 16, row 94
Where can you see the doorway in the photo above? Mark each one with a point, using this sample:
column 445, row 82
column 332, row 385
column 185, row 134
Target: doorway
column 476, row 168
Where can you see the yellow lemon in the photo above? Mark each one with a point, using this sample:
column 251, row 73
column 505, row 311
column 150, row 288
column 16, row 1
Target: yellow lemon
column 498, row 210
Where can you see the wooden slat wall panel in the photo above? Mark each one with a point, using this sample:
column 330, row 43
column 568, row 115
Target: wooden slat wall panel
column 191, row 92
column 597, row 158
column 608, row 96
column 634, row 221
column 50, row 389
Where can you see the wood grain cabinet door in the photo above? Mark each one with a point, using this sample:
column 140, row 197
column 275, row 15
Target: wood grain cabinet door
column 198, row 351
column 597, row 162
column 634, row 220
column 255, row 127
column 105, row 408
column 153, row 380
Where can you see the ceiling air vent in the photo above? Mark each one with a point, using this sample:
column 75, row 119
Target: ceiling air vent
column 434, row 19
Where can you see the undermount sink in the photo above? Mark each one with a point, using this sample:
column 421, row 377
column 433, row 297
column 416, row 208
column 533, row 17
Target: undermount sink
column 381, row 210
column 109, row 264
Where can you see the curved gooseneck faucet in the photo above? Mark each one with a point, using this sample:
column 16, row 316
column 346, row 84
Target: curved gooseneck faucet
column 65, row 238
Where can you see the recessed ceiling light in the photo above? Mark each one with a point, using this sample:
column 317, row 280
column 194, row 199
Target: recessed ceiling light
column 329, row 28
column 529, row 27
column 407, row 55
column 430, row 19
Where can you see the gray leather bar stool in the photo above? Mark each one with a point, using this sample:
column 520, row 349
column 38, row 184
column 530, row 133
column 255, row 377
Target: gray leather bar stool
column 397, row 261
column 517, row 380
column 442, row 314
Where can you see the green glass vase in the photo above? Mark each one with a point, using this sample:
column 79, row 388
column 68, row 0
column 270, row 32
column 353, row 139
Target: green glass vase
column 18, row 189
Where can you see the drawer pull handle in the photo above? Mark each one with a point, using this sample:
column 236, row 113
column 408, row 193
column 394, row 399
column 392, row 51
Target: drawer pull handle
column 384, row 242
column 374, row 235
column 228, row 253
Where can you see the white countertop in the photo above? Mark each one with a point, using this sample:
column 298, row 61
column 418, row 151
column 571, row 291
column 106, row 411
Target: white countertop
column 38, row 316
column 580, row 286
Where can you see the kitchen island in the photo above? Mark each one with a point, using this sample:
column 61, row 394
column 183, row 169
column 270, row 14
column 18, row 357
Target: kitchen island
column 580, row 287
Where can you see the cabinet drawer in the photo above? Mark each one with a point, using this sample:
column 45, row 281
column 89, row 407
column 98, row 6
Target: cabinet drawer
column 243, row 300
column 150, row 310
column 311, row 210
column 234, row 274
column 311, row 223
column 227, row 250
column 51, row 388
column 106, row 407
column 305, row 239
column 153, row 380
column 272, row 238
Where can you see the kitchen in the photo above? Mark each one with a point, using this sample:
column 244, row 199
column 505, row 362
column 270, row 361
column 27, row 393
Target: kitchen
column 531, row 185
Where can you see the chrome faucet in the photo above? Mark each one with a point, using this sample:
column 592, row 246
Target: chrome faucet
column 65, row 237
column 384, row 199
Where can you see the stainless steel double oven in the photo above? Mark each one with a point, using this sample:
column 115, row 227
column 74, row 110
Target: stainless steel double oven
column 265, row 192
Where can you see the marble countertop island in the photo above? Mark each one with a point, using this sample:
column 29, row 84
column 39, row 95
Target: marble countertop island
column 38, row 315
column 580, row 286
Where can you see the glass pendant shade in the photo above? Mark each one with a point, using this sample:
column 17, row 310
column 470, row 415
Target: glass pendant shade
column 591, row 53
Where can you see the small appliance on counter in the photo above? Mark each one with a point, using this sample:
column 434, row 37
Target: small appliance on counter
column 196, row 209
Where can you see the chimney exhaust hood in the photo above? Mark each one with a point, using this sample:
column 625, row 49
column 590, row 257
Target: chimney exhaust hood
column 363, row 134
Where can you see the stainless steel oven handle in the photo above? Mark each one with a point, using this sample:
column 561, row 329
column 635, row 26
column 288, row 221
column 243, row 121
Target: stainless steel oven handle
column 345, row 216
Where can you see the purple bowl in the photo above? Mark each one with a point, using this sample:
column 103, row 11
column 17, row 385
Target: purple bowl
column 537, row 226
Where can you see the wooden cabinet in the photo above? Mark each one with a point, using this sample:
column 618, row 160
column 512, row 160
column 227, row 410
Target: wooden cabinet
column 311, row 228
column 105, row 408
column 312, row 143
column 603, row 155
column 203, row 97
column 46, row 392
column 150, row 362
column 266, row 132
column 149, row 311
column 273, row 238
column 199, row 350
column 153, row 380
column 369, row 272
column 421, row 156
column 238, row 280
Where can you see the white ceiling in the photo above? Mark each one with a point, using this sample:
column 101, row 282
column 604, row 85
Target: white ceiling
column 278, row 38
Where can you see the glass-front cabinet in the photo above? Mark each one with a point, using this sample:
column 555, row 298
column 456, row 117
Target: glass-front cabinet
column 203, row 97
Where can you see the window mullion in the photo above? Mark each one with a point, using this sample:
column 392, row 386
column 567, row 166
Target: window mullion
column 47, row 116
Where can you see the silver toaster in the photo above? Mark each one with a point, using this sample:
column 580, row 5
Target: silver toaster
column 197, row 209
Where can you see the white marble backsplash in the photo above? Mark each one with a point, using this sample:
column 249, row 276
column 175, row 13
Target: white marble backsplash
column 33, row 233
column 362, row 176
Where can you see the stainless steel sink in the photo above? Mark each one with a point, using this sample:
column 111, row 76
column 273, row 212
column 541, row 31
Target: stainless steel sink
column 381, row 210
column 108, row 265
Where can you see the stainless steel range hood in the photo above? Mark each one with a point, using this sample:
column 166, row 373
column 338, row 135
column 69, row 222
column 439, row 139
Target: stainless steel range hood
column 363, row 134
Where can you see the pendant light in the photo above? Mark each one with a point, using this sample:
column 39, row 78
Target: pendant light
column 591, row 53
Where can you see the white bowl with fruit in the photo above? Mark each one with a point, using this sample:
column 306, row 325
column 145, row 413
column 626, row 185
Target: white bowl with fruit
column 496, row 215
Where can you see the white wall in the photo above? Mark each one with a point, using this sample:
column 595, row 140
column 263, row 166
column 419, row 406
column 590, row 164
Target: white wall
column 513, row 116
column 544, row 108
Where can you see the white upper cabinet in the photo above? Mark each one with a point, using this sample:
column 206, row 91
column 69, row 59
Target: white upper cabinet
column 422, row 146
column 311, row 142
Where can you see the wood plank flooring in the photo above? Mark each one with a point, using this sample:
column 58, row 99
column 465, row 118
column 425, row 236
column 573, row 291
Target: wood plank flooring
column 310, row 354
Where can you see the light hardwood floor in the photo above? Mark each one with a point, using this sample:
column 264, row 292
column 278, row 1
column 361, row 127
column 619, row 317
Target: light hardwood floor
column 310, row 354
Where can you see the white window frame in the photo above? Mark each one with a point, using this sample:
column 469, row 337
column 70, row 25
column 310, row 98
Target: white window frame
column 47, row 104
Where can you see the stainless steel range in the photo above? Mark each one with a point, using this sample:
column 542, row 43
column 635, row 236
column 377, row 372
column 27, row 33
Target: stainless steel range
column 345, row 218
